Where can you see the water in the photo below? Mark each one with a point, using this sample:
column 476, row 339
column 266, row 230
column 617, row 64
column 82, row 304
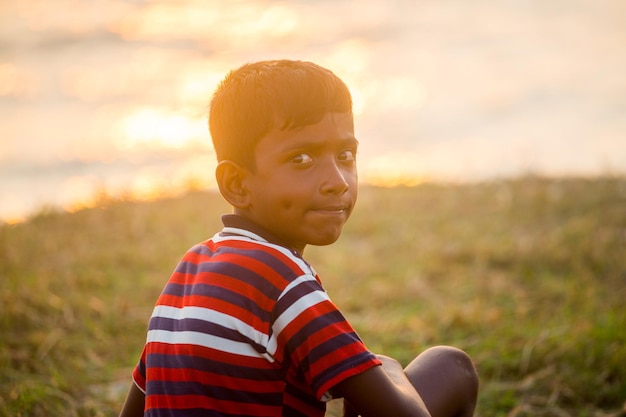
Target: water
column 111, row 95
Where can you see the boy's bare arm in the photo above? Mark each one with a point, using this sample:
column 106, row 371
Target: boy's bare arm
column 383, row 391
column 135, row 403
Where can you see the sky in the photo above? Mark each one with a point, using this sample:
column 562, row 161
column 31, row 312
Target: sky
column 111, row 96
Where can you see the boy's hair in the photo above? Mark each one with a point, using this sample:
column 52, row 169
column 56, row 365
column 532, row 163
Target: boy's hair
column 259, row 97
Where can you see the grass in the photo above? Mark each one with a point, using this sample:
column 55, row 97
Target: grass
column 527, row 275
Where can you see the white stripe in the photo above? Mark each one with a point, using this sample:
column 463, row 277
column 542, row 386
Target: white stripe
column 290, row 314
column 296, row 282
column 242, row 232
column 294, row 310
column 207, row 340
column 272, row 345
column 200, row 313
column 297, row 308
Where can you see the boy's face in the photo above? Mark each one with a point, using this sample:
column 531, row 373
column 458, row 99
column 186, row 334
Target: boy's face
column 304, row 185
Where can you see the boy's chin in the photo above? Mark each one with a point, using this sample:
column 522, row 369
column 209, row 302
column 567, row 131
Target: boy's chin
column 329, row 240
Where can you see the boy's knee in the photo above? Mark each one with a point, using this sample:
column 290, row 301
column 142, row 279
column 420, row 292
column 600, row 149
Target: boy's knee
column 458, row 364
column 466, row 373
column 453, row 355
column 447, row 379
column 456, row 356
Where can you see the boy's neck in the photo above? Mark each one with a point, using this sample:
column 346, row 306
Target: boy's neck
column 242, row 222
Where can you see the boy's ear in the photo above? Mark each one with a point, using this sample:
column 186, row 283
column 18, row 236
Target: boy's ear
column 230, row 178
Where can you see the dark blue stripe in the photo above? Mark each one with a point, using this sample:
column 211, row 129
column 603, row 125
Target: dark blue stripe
column 336, row 343
column 202, row 249
column 235, row 271
column 232, row 297
column 159, row 387
column 219, row 293
column 177, row 290
column 303, row 396
column 193, row 325
column 181, row 361
column 352, row 362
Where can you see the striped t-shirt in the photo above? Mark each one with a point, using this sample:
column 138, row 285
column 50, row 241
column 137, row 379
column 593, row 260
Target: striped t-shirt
column 245, row 328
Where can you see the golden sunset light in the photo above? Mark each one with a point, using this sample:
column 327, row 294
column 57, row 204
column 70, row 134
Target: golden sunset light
column 232, row 25
column 393, row 170
column 157, row 129
column 16, row 82
column 115, row 94
column 8, row 79
column 78, row 193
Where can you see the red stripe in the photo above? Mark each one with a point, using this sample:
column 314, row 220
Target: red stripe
column 215, row 379
column 170, row 300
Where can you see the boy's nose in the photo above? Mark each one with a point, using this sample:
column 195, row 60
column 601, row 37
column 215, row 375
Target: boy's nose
column 335, row 181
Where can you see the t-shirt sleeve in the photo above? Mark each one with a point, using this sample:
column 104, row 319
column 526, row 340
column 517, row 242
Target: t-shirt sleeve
column 316, row 339
column 139, row 373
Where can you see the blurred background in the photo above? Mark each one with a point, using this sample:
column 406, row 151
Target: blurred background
column 111, row 96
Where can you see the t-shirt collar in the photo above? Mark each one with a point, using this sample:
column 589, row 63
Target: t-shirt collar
column 234, row 221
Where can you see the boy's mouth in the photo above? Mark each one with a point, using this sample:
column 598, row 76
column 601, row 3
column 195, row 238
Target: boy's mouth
column 332, row 210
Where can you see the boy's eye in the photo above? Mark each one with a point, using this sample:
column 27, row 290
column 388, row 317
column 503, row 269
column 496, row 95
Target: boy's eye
column 347, row 155
column 302, row 158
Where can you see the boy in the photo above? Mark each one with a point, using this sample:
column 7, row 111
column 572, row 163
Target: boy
column 244, row 326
